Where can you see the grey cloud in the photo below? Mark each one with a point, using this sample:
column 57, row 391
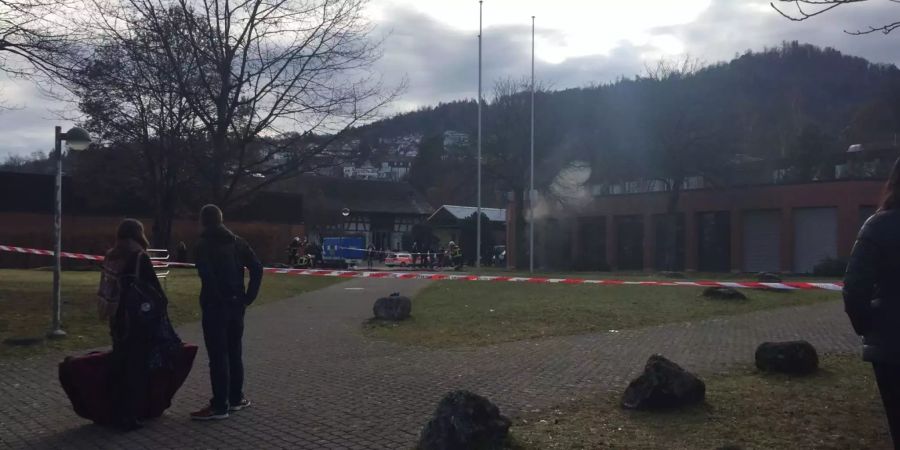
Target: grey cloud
column 441, row 63
column 27, row 119
column 728, row 27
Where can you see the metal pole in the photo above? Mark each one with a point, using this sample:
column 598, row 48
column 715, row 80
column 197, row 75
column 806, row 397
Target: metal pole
column 56, row 327
column 478, row 218
column 531, row 188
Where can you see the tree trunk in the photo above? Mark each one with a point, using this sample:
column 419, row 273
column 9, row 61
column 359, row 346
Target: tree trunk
column 163, row 218
column 672, row 225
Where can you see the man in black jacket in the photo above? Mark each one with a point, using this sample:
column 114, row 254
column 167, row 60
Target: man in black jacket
column 221, row 260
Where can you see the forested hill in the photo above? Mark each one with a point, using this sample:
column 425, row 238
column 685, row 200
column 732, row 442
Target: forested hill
column 792, row 102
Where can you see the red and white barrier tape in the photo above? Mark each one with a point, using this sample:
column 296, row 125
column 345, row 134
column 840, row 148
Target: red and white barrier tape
column 82, row 256
column 543, row 280
column 35, row 251
column 465, row 277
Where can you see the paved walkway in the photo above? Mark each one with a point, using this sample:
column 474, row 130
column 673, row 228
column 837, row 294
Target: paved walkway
column 316, row 383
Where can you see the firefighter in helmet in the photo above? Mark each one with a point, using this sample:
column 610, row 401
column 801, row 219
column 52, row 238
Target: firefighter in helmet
column 456, row 255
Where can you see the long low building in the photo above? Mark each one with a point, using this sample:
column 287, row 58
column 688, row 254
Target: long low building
column 763, row 219
column 777, row 228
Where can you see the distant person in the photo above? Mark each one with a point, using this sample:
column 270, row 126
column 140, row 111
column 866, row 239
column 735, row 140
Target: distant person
column 135, row 305
column 426, row 257
column 456, row 256
column 872, row 297
column 317, row 257
column 370, row 256
column 181, row 252
column 432, row 258
column 294, row 251
column 221, row 259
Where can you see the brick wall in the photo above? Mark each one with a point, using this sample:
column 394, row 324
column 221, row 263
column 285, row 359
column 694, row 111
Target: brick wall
column 848, row 197
column 95, row 234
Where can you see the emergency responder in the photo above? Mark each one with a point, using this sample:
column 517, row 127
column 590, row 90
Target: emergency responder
column 294, row 251
column 456, row 256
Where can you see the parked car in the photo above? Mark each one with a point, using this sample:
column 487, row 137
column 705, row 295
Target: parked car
column 398, row 260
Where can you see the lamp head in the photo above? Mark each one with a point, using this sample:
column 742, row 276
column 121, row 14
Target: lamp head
column 78, row 139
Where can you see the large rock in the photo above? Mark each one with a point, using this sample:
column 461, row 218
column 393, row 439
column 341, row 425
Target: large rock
column 663, row 385
column 394, row 307
column 464, row 420
column 723, row 293
column 673, row 275
column 795, row 357
column 768, row 277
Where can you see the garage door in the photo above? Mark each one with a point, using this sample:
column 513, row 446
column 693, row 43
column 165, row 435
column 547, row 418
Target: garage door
column 815, row 237
column 714, row 241
column 629, row 242
column 762, row 241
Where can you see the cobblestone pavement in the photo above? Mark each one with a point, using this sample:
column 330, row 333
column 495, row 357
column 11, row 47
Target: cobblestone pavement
column 316, row 383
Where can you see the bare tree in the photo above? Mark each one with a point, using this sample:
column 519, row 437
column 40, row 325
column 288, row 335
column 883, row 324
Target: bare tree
column 506, row 155
column 133, row 103
column 254, row 70
column 807, row 9
column 32, row 41
column 675, row 122
column 668, row 68
column 679, row 136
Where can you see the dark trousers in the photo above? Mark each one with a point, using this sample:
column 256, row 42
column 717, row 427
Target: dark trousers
column 888, row 378
column 223, row 329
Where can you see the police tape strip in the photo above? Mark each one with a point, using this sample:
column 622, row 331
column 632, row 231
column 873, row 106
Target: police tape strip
column 466, row 277
column 388, row 252
column 542, row 280
column 81, row 256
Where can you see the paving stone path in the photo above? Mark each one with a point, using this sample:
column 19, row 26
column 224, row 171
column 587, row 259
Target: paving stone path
column 317, row 383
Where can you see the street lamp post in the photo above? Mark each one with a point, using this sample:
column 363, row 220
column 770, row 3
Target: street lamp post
column 76, row 139
column 531, row 183
column 478, row 171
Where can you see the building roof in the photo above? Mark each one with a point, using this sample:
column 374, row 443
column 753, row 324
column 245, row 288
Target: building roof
column 35, row 194
column 463, row 212
column 361, row 196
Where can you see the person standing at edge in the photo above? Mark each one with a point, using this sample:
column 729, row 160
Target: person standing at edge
column 221, row 259
column 872, row 297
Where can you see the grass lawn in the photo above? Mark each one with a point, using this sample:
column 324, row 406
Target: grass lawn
column 838, row 408
column 456, row 313
column 25, row 297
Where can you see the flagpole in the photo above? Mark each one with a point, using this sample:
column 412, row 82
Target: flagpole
column 478, row 218
column 531, row 189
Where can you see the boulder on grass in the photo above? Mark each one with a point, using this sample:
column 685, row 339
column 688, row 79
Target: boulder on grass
column 663, row 385
column 768, row 277
column 677, row 275
column 394, row 308
column 794, row 357
column 723, row 293
column 464, row 420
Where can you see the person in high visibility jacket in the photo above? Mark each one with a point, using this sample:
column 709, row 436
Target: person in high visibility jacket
column 456, row 255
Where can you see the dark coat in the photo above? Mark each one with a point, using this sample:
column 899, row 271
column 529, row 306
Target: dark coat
column 872, row 287
column 148, row 339
column 221, row 259
column 127, row 258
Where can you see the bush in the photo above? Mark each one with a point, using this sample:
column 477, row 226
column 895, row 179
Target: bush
column 830, row 267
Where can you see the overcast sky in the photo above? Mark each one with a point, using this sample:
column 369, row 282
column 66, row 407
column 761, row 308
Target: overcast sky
column 433, row 44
